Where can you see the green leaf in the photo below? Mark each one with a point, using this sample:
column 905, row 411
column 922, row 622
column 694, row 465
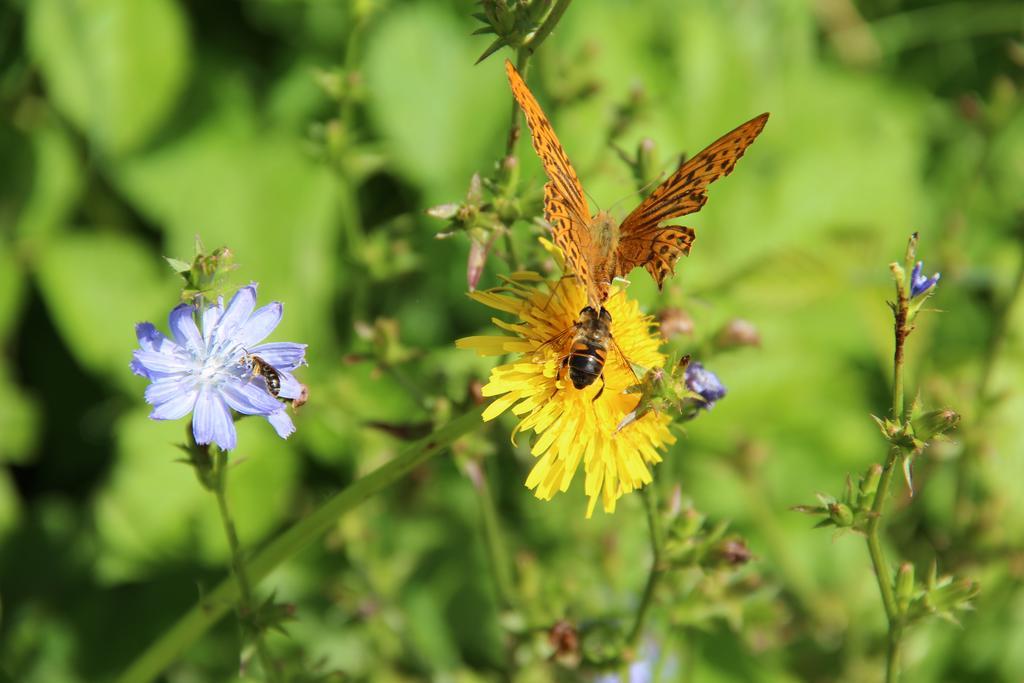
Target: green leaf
column 57, row 180
column 96, row 287
column 178, row 265
column 115, row 68
column 153, row 507
column 10, row 504
column 254, row 190
column 19, row 423
column 12, row 287
column 442, row 118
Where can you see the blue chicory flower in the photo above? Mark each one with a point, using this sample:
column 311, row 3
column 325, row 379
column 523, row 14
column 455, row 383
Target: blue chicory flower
column 704, row 382
column 642, row 670
column 919, row 284
column 201, row 372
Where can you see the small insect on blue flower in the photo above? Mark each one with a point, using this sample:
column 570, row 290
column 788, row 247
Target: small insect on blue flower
column 209, row 373
column 704, row 382
column 919, row 284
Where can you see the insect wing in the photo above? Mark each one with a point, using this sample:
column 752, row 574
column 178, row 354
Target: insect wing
column 644, row 242
column 565, row 206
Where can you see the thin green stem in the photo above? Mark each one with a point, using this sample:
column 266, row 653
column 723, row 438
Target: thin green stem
column 494, row 539
column 513, row 256
column 246, row 603
column 901, row 332
column 999, row 327
column 878, row 561
column 217, row 602
column 975, row 437
column 883, row 573
column 554, row 16
column 892, row 654
column 522, row 66
column 657, row 570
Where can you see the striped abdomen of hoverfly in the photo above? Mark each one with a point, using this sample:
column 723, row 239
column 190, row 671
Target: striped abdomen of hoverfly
column 259, row 367
column 585, row 362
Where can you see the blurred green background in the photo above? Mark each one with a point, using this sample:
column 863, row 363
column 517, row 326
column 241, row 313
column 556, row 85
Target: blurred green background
column 310, row 137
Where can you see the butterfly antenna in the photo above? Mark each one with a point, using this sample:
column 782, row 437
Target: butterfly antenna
column 643, row 189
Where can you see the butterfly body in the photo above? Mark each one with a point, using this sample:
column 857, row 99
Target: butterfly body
column 598, row 249
column 604, row 233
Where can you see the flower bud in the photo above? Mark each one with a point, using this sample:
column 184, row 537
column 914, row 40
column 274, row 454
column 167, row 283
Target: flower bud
column 475, row 193
column 840, row 514
column 904, row 586
column 646, row 165
column 674, row 322
column 475, row 263
column 508, row 172
column 935, row 423
column 734, row 551
column 443, row 211
column 868, row 486
column 564, row 640
column 737, row 333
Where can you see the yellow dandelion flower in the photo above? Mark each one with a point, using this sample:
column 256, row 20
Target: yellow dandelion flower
column 570, row 426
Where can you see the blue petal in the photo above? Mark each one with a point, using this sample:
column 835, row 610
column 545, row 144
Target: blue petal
column 150, row 339
column 235, row 315
column 211, row 316
column 166, row 389
column 176, row 405
column 184, row 329
column 282, row 423
column 211, row 421
column 282, row 355
column 260, row 324
column 249, row 398
column 290, row 387
column 705, row 383
column 156, row 363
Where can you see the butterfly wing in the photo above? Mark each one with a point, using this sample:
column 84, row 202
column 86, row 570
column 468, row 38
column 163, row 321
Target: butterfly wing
column 565, row 207
column 643, row 241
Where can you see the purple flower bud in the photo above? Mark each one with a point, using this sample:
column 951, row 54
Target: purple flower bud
column 919, row 284
column 705, row 383
column 476, row 262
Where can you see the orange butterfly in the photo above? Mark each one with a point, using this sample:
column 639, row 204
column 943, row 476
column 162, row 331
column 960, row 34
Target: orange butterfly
column 596, row 249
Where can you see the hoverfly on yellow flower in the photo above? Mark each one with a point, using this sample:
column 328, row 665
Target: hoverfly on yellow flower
column 569, row 426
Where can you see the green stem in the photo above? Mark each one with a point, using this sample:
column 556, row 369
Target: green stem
column 975, row 437
column 246, row 603
column 494, row 539
column 554, row 16
column 878, row 561
column 513, row 257
column 209, row 611
column 881, row 566
column 892, row 655
column 999, row 327
column 522, row 66
column 650, row 497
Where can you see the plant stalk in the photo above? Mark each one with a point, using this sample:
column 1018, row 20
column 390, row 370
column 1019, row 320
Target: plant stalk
column 246, row 608
column 494, row 539
column 650, row 497
column 883, row 573
column 158, row 656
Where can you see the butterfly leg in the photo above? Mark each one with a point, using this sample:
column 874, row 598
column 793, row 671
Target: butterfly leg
column 554, row 290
